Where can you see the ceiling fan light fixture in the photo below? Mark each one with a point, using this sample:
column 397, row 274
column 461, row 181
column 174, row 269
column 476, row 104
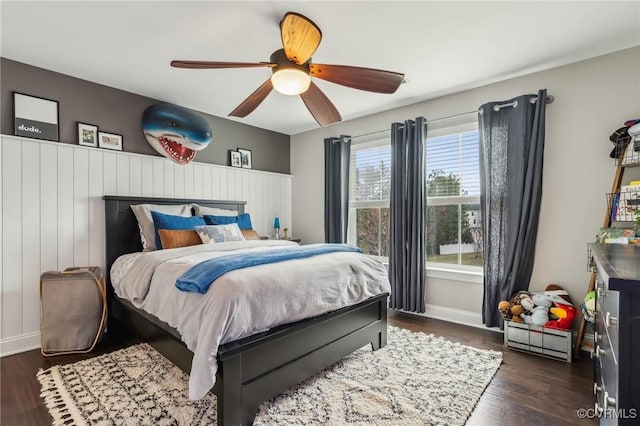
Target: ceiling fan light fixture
column 290, row 81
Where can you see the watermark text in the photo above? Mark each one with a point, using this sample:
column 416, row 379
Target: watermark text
column 609, row 413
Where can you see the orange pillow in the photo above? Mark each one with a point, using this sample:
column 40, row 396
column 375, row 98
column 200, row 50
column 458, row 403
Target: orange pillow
column 250, row 234
column 172, row 238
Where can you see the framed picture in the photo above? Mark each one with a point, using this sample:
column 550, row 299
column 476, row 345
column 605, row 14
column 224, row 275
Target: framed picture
column 110, row 141
column 35, row 117
column 245, row 158
column 87, row 134
column 235, row 158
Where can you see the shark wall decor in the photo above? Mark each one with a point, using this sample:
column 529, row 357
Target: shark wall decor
column 176, row 132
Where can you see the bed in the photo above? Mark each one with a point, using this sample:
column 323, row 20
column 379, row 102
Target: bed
column 256, row 368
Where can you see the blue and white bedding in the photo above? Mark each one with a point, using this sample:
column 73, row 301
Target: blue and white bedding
column 202, row 275
column 244, row 301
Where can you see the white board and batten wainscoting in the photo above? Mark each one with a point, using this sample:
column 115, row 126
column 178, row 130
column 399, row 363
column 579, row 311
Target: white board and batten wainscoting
column 52, row 212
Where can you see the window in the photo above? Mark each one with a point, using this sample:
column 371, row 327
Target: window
column 369, row 185
column 454, row 224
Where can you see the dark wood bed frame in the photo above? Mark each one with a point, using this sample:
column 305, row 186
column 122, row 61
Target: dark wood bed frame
column 257, row 368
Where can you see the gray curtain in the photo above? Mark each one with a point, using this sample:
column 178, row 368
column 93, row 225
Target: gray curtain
column 337, row 153
column 407, row 215
column 511, row 152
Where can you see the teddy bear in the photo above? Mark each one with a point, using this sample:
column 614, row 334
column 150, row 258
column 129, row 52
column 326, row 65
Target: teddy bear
column 511, row 310
column 538, row 305
column 517, row 297
column 504, row 308
column 510, row 313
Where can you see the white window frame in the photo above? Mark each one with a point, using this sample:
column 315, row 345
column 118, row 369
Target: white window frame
column 450, row 271
column 465, row 273
column 352, row 229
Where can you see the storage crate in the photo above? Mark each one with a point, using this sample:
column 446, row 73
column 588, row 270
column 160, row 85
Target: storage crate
column 548, row 342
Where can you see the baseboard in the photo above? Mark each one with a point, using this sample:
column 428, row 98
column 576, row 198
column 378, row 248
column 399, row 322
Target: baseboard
column 473, row 319
column 457, row 316
column 454, row 315
column 17, row 344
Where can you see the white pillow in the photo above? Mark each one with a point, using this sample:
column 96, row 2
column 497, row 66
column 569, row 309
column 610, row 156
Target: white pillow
column 214, row 211
column 219, row 233
column 145, row 221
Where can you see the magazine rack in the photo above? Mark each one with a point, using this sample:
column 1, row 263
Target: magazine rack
column 624, row 203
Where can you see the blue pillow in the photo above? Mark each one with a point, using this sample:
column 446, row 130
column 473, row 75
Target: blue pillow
column 167, row 221
column 243, row 220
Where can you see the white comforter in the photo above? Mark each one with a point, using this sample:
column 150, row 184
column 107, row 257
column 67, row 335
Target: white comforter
column 245, row 301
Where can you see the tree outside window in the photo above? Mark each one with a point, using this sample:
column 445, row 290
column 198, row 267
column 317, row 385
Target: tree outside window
column 453, row 231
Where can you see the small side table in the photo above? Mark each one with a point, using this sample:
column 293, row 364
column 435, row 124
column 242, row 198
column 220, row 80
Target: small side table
column 295, row 240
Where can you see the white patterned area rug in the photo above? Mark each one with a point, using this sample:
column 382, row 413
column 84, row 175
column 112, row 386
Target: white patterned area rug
column 417, row 379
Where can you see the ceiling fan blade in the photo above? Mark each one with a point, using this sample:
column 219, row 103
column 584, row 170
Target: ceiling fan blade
column 300, row 37
column 320, row 106
column 248, row 105
column 218, row 65
column 368, row 79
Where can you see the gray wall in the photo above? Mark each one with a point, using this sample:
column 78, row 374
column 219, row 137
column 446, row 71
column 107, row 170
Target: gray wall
column 592, row 99
column 117, row 111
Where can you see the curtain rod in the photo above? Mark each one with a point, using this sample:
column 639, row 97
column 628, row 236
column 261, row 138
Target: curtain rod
column 549, row 100
column 449, row 117
column 514, row 104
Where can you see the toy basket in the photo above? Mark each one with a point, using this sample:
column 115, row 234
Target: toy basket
column 548, row 342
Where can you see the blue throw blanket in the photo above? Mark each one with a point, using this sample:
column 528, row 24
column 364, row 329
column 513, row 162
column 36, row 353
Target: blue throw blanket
column 200, row 276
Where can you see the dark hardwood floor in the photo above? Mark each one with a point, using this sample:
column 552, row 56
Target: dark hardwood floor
column 526, row 389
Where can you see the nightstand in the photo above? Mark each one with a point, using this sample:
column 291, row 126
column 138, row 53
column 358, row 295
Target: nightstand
column 295, row 240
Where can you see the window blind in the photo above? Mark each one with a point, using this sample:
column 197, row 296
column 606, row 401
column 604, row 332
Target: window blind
column 370, row 173
column 452, row 165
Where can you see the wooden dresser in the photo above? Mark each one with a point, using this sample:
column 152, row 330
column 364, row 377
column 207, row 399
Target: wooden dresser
column 617, row 335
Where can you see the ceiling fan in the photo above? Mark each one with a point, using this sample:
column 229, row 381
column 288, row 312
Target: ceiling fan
column 292, row 71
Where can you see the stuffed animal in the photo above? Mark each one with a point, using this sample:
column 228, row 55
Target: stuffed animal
column 551, row 308
column 539, row 316
column 538, row 305
column 517, row 297
column 565, row 313
column 504, row 308
column 561, row 293
column 517, row 310
column 510, row 313
column 589, row 306
column 511, row 309
column 541, row 299
column 527, row 303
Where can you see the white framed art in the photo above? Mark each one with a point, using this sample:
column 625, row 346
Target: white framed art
column 87, row 135
column 35, row 117
column 110, row 141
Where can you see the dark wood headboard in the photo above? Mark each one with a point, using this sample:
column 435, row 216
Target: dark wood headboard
column 121, row 225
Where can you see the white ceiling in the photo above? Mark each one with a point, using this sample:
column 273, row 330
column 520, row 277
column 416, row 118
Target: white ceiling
column 442, row 47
